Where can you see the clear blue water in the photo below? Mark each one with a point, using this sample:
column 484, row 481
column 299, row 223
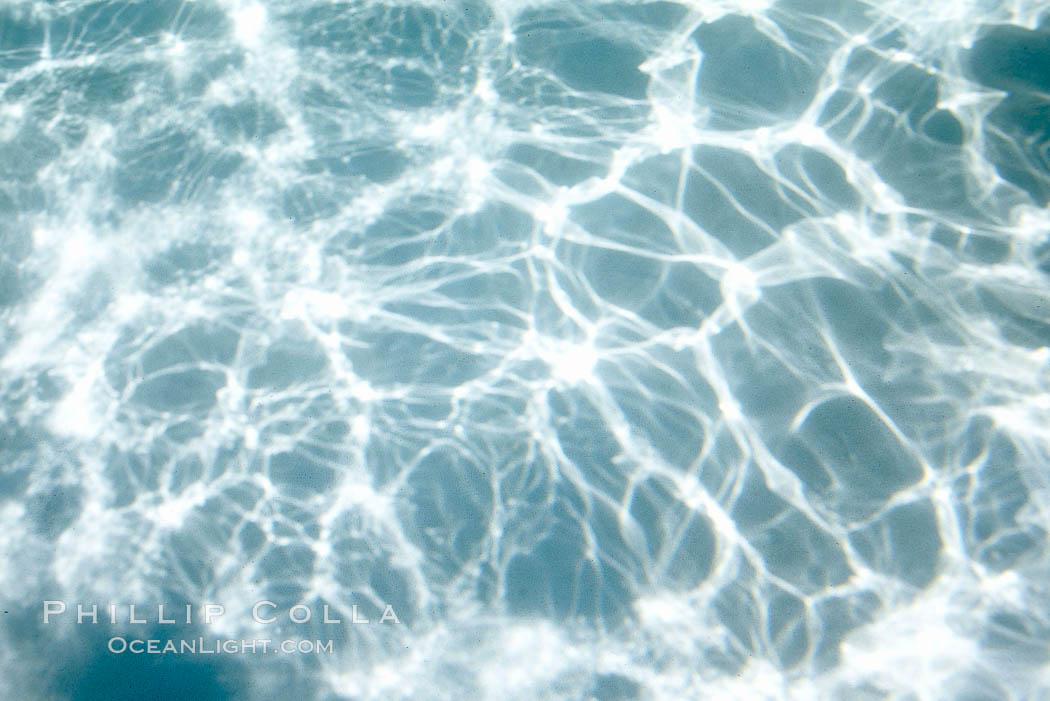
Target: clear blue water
column 624, row 350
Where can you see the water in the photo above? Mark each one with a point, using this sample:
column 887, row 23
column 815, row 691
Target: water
column 667, row 350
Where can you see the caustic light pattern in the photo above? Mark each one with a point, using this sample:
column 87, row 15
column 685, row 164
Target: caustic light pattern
column 656, row 350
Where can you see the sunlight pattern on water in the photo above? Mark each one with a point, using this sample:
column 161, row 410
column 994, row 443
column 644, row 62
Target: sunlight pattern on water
column 661, row 350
